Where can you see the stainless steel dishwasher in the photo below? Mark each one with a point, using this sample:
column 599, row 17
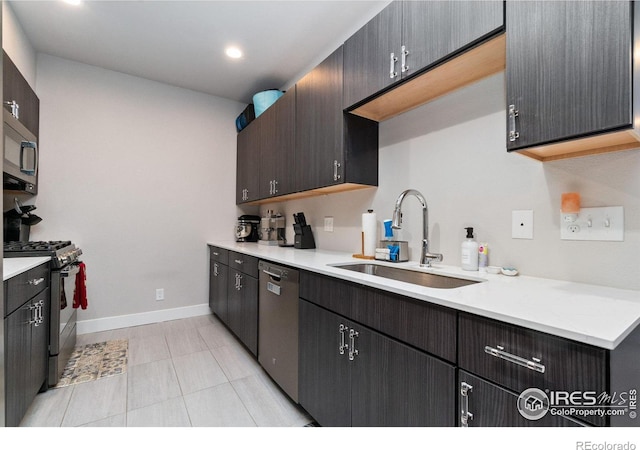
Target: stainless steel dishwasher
column 278, row 325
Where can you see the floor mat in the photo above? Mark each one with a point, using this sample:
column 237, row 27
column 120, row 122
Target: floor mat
column 94, row 361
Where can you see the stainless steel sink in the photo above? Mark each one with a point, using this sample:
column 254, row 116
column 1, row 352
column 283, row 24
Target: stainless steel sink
column 409, row 276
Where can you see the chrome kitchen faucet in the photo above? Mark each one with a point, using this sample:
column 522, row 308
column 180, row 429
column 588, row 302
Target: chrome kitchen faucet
column 425, row 256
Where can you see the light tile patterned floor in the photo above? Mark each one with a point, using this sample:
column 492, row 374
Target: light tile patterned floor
column 182, row 373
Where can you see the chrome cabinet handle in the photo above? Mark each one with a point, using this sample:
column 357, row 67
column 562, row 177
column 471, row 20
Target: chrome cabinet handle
column 336, row 166
column 35, row 281
column 34, row 314
column 38, row 313
column 343, row 345
column 513, row 113
column 500, row 353
column 270, row 187
column 465, row 414
column 15, row 108
column 392, row 66
column 215, row 269
column 403, row 63
column 238, row 281
column 275, row 186
column 238, row 261
column 353, row 351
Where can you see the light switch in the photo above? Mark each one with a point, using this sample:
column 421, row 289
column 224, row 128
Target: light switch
column 522, row 224
column 328, row 224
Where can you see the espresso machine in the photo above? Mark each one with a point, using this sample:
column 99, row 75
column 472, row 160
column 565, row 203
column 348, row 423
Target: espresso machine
column 272, row 229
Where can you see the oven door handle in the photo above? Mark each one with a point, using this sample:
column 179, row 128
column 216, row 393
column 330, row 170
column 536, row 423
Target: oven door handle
column 70, row 270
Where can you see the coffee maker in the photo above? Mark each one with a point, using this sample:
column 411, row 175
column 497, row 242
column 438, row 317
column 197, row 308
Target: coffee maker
column 272, row 229
column 18, row 222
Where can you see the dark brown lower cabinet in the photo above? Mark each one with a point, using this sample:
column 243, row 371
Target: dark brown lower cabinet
column 484, row 404
column 351, row 375
column 218, row 282
column 26, row 346
column 242, row 308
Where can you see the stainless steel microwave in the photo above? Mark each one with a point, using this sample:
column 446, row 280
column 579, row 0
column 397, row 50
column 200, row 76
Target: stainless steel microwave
column 20, row 168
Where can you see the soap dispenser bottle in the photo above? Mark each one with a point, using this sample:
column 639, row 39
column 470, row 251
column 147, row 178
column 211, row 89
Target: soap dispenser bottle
column 469, row 251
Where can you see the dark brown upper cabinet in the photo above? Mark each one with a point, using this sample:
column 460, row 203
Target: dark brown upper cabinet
column 248, row 163
column 410, row 38
column 19, row 97
column 334, row 151
column 277, row 145
column 569, row 76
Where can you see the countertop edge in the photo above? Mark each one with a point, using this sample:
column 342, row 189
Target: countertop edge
column 12, row 267
column 579, row 327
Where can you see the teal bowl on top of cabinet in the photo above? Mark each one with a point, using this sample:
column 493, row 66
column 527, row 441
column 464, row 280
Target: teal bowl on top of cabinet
column 262, row 100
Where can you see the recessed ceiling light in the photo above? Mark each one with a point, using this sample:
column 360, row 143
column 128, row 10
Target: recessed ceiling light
column 233, row 52
column 73, row 2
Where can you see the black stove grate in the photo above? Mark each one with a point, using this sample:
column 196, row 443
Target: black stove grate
column 31, row 246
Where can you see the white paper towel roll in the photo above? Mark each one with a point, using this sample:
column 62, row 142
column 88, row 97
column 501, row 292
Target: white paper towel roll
column 369, row 225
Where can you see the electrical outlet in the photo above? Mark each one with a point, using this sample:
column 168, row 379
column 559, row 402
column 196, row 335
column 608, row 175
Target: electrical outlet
column 159, row 294
column 522, row 224
column 328, row 224
column 593, row 224
column 573, row 229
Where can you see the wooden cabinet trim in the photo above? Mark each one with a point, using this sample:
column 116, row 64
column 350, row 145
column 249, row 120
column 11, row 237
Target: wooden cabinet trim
column 473, row 65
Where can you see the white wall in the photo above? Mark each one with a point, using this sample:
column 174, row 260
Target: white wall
column 453, row 151
column 17, row 45
column 138, row 174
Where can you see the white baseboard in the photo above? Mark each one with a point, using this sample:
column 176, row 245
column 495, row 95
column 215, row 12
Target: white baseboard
column 132, row 320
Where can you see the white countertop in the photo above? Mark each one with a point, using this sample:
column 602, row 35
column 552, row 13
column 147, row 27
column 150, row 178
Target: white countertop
column 595, row 315
column 15, row 266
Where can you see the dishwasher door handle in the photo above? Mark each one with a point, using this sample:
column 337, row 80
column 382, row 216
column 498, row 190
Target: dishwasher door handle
column 273, row 274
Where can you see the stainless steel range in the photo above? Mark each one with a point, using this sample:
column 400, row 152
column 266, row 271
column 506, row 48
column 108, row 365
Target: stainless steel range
column 65, row 261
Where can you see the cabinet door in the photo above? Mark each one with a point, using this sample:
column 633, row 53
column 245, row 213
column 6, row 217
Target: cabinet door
column 16, row 88
column 492, row 406
column 248, row 163
column 367, row 55
column 568, row 69
column 242, row 308
column 39, row 345
column 319, row 125
column 218, row 282
column 277, row 147
column 324, row 385
column 234, row 300
column 395, row 385
column 17, row 365
column 249, row 313
column 432, row 31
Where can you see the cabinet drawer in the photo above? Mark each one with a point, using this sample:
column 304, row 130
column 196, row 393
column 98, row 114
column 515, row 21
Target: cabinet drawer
column 429, row 327
column 244, row 263
column 23, row 287
column 219, row 254
column 519, row 358
column 489, row 405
